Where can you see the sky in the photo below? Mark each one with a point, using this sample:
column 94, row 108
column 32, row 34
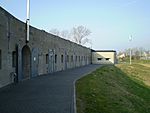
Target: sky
column 110, row 21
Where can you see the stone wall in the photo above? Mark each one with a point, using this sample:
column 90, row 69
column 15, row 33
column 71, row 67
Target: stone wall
column 42, row 46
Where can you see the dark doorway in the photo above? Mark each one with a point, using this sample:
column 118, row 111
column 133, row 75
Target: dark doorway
column 26, row 62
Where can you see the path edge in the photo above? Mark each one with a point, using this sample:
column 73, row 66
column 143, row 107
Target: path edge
column 74, row 89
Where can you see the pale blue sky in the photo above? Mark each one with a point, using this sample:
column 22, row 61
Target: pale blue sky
column 110, row 21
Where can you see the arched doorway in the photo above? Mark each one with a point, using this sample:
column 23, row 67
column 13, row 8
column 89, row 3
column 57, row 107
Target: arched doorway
column 26, row 62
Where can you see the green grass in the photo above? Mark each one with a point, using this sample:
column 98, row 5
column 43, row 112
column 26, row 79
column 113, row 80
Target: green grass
column 111, row 90
column 127, row 61
column 139, row 72
column 142, row 61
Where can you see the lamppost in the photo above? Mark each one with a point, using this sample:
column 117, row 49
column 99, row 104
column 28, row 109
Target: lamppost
column 28, row 20
column 130, row 39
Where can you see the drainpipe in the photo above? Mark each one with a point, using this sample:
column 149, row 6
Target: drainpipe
column 28, row 20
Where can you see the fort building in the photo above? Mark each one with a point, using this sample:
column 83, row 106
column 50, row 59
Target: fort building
column 44, row 53
column 104, row 57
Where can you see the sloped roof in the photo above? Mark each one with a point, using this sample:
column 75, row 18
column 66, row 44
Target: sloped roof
column 103, row 51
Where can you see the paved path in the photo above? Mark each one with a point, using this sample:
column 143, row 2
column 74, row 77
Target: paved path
column 53, row 93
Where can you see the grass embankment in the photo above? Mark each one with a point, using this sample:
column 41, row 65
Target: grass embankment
column 139, row 72
column 113, row 89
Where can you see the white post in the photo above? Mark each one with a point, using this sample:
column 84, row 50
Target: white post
column 130, row 39
column 28, row 19
column 130, row 56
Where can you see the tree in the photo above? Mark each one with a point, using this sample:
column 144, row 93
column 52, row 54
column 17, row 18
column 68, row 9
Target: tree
column 141, row 49
column 137, row 53
column 65, row 34
column 79, row 35
column 55, row 32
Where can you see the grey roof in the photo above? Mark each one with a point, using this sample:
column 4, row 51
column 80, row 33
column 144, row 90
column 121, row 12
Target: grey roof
column 103, row 51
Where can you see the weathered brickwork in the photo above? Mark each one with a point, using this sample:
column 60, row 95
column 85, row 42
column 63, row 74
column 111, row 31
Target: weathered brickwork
column 41, row 55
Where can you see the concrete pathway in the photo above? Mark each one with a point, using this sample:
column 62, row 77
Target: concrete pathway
column 53, row 93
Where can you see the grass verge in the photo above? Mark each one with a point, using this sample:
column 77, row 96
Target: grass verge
column 111, row 90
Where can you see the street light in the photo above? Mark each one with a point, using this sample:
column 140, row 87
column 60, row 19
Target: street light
column 130, row 39
column 28, row 20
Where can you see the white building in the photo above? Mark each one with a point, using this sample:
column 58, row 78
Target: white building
column 103, row 57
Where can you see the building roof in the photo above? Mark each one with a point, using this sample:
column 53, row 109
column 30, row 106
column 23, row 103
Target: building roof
column 103, row 51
